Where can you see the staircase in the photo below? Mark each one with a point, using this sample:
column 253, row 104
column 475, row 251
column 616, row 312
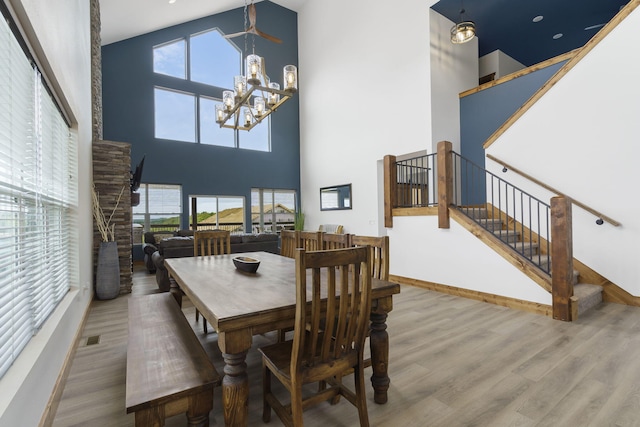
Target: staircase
column 585, row 296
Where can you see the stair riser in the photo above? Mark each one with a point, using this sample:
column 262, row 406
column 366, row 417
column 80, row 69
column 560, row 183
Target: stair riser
column 491, row 225
column 507, row 237
column 480, row 213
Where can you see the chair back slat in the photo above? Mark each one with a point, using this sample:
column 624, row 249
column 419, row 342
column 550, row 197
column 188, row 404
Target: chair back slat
column 211, row 242
column 337, row 328
column 335, row 241
column 310, row 240
column 379, row 247
column 288, row 243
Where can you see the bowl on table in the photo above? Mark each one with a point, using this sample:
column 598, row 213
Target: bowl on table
column 246, row 264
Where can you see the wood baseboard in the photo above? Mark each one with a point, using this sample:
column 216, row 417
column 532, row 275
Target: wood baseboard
column 514, row 303
column 56, row 394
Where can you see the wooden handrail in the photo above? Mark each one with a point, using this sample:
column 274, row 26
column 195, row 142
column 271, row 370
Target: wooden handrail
column 523, row 72
column 598, row 214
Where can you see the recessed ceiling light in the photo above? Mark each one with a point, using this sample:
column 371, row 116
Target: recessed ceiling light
column 593, row 27
column 538, row 18
column 557, row 36
column 172, row 1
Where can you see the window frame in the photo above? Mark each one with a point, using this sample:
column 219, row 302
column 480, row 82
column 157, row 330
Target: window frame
column 262, row 193
column 195, row 197
column 39, row 261
column 201, row 91
column 144, row 196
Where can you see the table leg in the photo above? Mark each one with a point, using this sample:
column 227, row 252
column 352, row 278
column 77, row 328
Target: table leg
column 235, row 384
column 379, row 343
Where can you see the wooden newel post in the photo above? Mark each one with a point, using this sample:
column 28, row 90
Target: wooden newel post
column 561, row 257
column 445, row 182
column 390, row 189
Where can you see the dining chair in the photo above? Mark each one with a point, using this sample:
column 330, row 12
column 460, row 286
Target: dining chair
column 335, row 241
column 288, row 243
column 379, row 268
column 210, row 242
column 331, row 228
column 328, row 339
column 310, row 240
column 379, row 247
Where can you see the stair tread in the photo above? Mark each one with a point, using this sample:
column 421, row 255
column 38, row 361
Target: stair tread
column 524, row 245
column 582, row 290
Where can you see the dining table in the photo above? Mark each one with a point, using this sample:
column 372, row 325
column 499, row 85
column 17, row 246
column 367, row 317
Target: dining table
column 239, row 305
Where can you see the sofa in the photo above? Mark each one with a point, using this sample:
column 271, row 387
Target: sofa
column 177, row 247
column 181, row 245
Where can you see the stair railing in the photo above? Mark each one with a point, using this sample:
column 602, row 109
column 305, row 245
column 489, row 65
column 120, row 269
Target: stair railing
column 514, row 216
column 534, row 229
column 416, row 182
column 601, row 218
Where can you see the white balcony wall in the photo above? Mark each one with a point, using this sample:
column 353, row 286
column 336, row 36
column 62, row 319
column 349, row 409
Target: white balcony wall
column 364, row 92
column 581, row 138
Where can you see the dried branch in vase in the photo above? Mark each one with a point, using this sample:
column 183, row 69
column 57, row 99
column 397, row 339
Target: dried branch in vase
column 106, row 229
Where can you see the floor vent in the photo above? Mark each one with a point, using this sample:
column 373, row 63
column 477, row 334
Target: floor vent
column 93, row 340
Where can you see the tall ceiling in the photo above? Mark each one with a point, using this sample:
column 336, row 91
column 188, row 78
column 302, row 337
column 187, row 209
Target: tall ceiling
column 501, row 24
column 123, row 19
column 509, row 25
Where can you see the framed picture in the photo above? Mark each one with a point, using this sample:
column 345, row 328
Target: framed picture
column 337, row 197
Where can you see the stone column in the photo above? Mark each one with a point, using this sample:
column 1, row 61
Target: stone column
column 112, row 173
column 96, row 71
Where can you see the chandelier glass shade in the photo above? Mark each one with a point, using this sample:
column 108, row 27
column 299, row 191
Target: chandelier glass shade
column 463, row 31
column 254, row 96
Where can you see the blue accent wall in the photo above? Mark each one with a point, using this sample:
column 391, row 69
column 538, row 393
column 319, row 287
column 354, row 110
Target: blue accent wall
column 482, row 113
column 128, row 83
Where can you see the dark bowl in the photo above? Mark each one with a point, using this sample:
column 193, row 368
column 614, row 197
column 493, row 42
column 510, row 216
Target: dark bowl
column 246, row 264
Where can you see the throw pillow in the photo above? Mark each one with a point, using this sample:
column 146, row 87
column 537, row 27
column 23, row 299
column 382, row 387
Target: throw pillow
column 159, row 236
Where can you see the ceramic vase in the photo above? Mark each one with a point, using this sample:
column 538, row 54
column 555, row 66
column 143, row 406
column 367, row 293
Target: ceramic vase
column 108, row 271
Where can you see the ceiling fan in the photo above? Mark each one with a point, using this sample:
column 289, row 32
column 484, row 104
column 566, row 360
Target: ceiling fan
column 252, row 27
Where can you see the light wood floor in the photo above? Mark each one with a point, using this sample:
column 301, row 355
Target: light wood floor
column 454, row 362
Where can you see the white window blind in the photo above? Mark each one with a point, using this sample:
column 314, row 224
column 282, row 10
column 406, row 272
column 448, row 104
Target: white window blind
column 38, row 201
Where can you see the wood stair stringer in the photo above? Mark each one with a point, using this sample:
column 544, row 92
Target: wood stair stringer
column 585, row 296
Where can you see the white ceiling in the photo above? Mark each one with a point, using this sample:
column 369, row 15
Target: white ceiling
column 122, row 19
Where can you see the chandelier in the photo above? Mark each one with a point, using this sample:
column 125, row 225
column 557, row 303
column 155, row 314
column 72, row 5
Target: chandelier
column 237, row 111
column 463, row 31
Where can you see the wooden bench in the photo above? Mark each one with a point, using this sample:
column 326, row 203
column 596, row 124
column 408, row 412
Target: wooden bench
column 168, row 371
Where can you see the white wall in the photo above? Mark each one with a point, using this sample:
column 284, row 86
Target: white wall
column 454, row 69
column 59, row 32
column 582, row 138
column 364, row 92
column 500, row 63
column 455, row 257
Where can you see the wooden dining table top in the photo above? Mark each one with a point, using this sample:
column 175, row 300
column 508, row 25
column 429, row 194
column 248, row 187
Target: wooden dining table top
column 231, row 299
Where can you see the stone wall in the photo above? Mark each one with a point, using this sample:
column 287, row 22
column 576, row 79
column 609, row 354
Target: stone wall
column 96, row 70
column 112, row 173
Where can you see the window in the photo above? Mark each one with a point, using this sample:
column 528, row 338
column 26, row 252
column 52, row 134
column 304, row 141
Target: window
column 269, row 207
column 175, row 115
column 160, row 207
column 170, row 59
column 38, row 201
column 210, row 131
column 213, row 59
column 218, row 212
column 185, row 111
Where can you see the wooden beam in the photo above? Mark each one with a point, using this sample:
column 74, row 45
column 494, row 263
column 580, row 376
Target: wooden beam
column 445, row 182
column 390, row 196
column 561, row 257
